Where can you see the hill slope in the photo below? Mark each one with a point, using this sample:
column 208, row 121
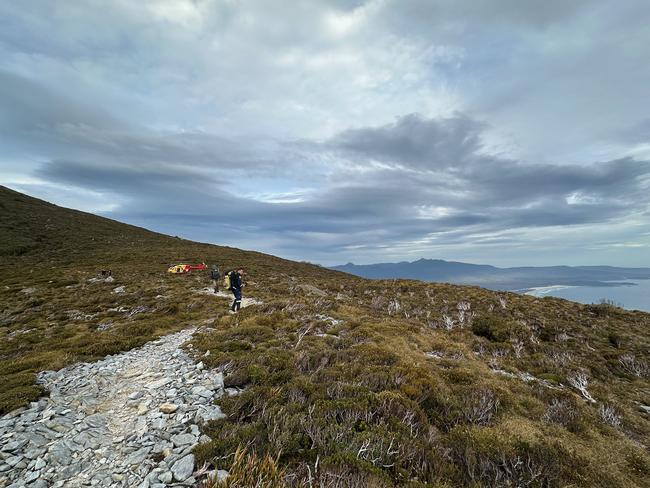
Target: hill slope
column 52, row 300
column 517, row 278
column 347, row 382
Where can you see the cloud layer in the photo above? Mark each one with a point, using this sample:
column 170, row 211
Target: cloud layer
column 338, row 131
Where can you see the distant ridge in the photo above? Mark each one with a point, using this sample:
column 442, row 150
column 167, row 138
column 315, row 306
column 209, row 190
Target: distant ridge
column 517, row 278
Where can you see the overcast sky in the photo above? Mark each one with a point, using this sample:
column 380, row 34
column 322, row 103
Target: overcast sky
column 505, row 132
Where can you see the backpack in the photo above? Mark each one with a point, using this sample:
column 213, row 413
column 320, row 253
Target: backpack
column 226, row 281
column 214, row 274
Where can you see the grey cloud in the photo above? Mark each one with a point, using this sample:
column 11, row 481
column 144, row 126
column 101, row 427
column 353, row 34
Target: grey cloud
column 386, row 206
column 407, row 13
column 415, row 141
column 187, row 118
column 636, row 134
column 28, row 106
column 47, row 122
column 453, row 148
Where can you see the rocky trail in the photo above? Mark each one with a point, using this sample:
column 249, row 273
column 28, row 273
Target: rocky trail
column 129, row 420
column 245, row 302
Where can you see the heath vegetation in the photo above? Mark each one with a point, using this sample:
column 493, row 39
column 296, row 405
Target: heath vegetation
column 342, row 381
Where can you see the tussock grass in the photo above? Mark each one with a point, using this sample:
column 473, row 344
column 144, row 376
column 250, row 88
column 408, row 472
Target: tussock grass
column 249, row 471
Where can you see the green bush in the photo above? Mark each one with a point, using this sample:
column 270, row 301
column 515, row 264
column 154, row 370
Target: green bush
column 496, row 328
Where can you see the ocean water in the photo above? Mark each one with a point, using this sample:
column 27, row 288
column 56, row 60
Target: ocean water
column 633, row 297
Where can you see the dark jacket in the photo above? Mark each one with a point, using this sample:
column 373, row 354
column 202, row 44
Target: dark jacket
column 235, row 280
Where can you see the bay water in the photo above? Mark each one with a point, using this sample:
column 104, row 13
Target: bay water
column 635, row 296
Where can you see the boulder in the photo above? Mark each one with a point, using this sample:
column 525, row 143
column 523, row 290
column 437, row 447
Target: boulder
column 183, row 468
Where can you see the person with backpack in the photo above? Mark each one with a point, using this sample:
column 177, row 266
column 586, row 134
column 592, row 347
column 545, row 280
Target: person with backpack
column 215, row 275
column 234, row 281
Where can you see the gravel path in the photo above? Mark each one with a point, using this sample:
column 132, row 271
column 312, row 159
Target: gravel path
column 129, row 420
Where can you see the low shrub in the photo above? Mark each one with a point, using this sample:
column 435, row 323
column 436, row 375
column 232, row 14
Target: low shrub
column 497, row 329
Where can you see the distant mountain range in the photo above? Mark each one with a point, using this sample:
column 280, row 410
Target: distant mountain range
column 520, row 278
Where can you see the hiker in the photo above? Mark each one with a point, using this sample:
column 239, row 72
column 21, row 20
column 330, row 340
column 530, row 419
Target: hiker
column 215, row 276
column 235, row 281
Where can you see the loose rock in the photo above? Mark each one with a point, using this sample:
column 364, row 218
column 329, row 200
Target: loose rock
column 110, row 423
column 168, row 408
column 183, row 468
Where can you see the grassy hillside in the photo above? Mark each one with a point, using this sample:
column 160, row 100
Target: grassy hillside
column 52, row 302
column 346, row 382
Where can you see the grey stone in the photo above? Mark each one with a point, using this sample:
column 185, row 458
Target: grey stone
column 95, row 421
column 36, row 438
column 46, row 414
column 72, row 445
column 209, row 412
column 136, row 395
column 13, row 460
column 34, row 453
column 158, row 424
column 166, row 477
column 159, row 383
column 202, row 391
column 59, row 453
column 31, row 476
column 45, row 432
column 28, row 418
column 183, row 468
column 72, row 470
column 159, row 447
column 14, row 413
column 60, row 425
column 218, row 380
column 86, row 440
column 183, row 439
column 138, row 456
column 14, row 445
